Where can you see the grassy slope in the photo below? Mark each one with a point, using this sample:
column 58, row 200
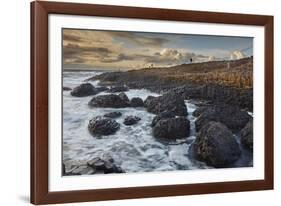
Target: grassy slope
column 238, row 75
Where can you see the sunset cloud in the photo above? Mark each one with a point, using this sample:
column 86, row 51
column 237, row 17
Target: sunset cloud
column 133, row 50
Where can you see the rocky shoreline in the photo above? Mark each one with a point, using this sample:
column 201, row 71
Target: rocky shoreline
column 223, row 125
column 192, row 81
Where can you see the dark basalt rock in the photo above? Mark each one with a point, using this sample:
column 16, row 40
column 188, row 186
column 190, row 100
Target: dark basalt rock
column 71, row 170
column 66, row 88
column 131, row 120
column 109, row 100
column 98, row 165
column 167, row 102
column 84, row 90
column 113, row 115
column 102, row 89
column 104, row 166
column 247, row 135
column 149, row 100
column 124, row 97
column 171, row 128
column 118, row 89
column 199, row 111
column 99, row 126
column 234, row 118
column 216, row 145
column 162, row 115
column 218, row 94
column 136, row 102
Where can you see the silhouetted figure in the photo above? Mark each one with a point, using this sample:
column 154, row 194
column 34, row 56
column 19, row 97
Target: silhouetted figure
column 190, row 60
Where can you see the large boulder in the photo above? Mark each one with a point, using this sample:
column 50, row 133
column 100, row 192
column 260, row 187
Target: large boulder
column 131, row 120
column 162, row 115
column 171, row 128
column 234, row 118
column 84, row 90
column 216, row 145
column 149, row 100
column 124, row 97
column 136, row 102
column 113, row 114
column 99, row 126
column 247, row 135
column 168, row 102
column 109, row 100
column 118, row 89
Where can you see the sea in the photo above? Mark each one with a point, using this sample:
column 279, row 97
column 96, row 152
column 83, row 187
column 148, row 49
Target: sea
column 133, row 148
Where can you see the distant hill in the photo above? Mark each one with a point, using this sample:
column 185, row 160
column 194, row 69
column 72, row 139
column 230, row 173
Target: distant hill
column 233, row 73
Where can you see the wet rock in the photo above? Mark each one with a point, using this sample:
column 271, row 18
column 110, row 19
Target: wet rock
column 149, row 100
column 104, row 166
column 124, row 97
column 113, row 115
column 66, row 88
column 131, row 120
column 84, row 90
column 103, row 126
column 234, row 118
column 247, row 135
column 162, row 115
column 199, row 111
column 102, row 89
column 118, row 89
column 83, row 170
column 109, row 100
column 136, row 102
column 167, row 102
column 216, row 145
column 218, row 94
column 171, row 128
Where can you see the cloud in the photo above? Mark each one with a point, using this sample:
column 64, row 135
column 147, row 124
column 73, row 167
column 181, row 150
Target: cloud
column 71, row 38
column 141, row 39
column 74, row 53
column 118, row 49
column 166, row 56
column 237, row 55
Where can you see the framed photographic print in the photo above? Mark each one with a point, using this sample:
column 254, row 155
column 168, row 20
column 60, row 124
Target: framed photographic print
column 131, row 102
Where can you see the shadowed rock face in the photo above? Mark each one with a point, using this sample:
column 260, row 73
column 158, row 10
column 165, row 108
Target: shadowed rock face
column 84, row 90
column 162, row 115
column 131, row 120
column 124, row 97
column 110, row 100
column 171, row 128
column 234, row 118
column 216, row 145
column 104, row 166
column 247, row 135
column 136, row 102
column 99, row 126
column 168, row 102
column 113, row 115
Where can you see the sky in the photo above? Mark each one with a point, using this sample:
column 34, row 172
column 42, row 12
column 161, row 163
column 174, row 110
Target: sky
column 126, row 50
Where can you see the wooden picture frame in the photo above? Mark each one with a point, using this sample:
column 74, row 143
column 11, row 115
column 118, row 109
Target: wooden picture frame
column 39, row 102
